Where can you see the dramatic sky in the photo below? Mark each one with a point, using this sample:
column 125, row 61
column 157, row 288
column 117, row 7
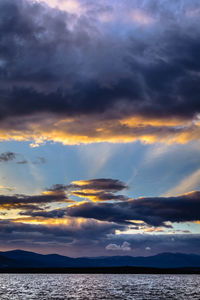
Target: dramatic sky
column 100, row 126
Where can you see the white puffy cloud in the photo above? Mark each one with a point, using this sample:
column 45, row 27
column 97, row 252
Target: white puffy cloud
column 124, row 247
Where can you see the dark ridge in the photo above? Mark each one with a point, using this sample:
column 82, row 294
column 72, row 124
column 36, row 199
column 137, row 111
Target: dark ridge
column 18, row 259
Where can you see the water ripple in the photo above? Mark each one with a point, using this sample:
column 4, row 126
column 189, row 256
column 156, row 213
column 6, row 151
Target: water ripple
column 96, row 286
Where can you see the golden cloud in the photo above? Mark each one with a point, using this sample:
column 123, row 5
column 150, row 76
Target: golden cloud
column 91, row 129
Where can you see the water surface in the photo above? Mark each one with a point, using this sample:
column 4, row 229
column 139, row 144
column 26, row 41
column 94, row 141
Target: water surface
column 97, row 286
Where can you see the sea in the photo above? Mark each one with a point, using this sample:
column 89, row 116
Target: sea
column 97, row 286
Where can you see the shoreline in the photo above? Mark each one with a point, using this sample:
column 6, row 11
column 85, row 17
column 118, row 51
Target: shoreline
column 100, row 270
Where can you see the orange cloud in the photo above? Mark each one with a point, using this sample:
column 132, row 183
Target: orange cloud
column 86, row 130
column 102, row 189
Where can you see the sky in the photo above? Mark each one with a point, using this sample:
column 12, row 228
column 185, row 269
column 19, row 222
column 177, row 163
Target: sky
column 100, row 126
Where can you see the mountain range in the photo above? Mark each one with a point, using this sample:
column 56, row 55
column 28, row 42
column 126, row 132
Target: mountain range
column 19, row 259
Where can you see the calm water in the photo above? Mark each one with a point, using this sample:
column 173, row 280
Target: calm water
column 95, row 286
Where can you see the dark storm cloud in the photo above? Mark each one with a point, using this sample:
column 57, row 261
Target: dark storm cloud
column 102, row 189
column 31, row 202
column 13, row 231
column 98, row 185
column 7, row 156
column 55, row 213
column 105, row 184
column 100, row 196
column 91, row 238
column 154, row 211
column 57, row 188
column 53, row 62
column 165, row 83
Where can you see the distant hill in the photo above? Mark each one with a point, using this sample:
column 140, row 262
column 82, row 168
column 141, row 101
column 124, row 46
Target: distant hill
column 18, row 259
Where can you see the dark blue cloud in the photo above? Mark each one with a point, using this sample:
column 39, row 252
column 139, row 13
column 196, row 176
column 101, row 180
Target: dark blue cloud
column 90, row 239
column 7, row 156
column 47, row 67
column 153, row 211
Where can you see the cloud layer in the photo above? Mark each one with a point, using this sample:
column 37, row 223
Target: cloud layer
column 102, row 189
column 153, row 211
column 81, row 71
column 100, row 224
column 98, row 76
column 34, row 202
column 74, row 239
column 107, row 207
